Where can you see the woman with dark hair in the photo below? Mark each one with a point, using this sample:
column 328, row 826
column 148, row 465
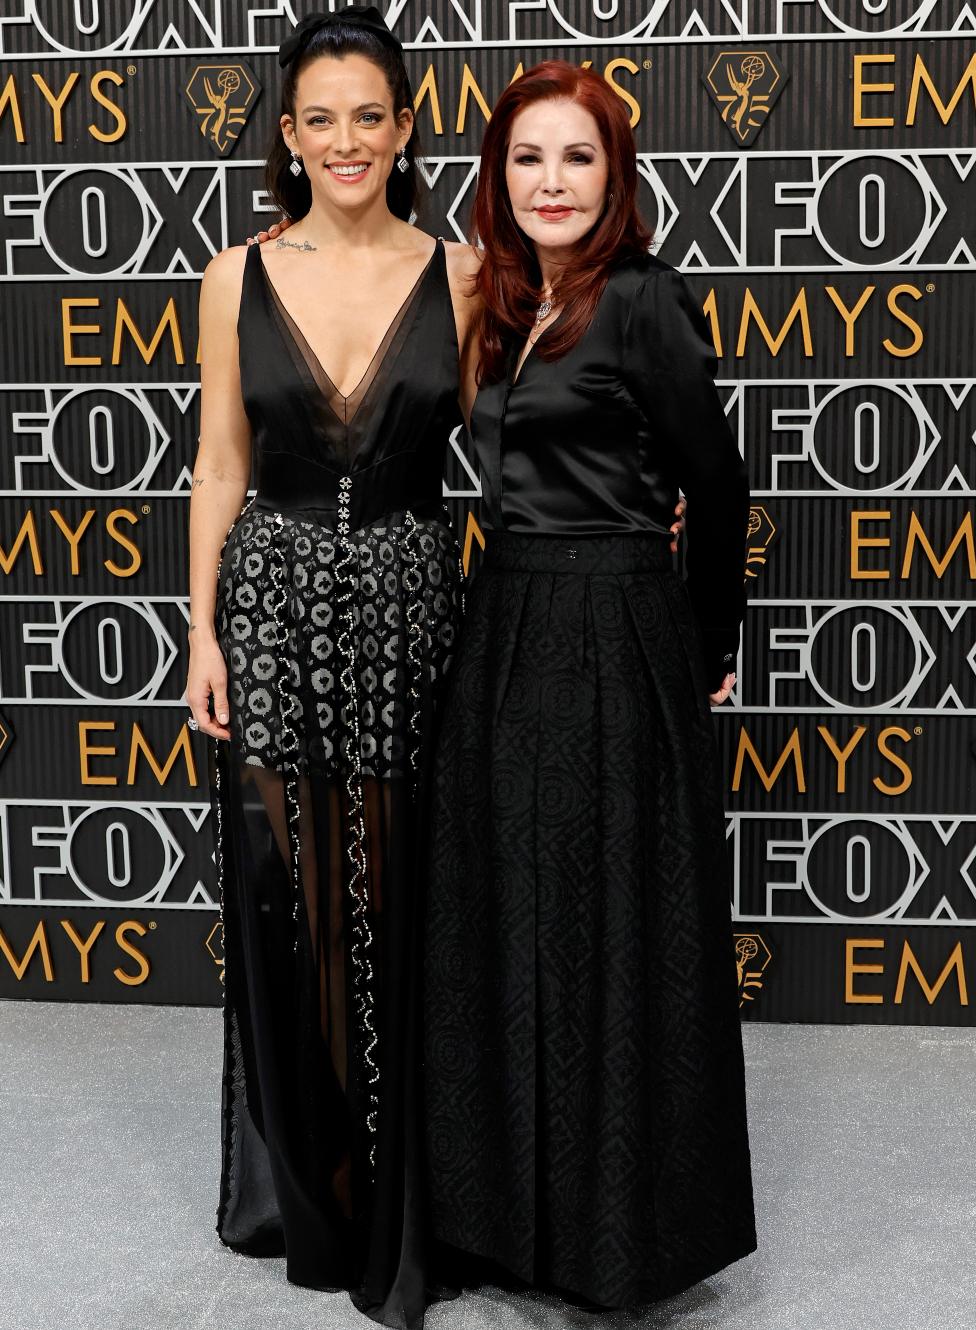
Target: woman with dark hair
column 320, row 634
column 585, row 1105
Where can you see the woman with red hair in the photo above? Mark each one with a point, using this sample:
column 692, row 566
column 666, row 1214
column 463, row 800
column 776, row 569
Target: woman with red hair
column 585, row 1093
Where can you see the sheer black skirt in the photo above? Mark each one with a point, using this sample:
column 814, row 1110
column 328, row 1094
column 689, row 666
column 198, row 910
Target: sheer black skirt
column 336, row 649
column 586, row 1116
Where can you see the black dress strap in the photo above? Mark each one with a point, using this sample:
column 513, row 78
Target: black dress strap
column 252, row 275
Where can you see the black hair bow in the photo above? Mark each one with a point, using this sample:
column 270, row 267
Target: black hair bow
column 357, row 16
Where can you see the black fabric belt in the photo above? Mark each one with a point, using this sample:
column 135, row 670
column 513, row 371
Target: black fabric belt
column 633, row 552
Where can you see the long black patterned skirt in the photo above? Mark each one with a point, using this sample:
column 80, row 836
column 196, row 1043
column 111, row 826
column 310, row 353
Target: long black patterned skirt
column 586, row 1118
column 336, row 647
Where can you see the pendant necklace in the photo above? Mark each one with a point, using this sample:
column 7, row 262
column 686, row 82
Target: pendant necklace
column 544, row 310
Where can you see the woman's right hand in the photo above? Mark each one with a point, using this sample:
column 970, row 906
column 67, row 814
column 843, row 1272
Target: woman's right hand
column 271, row 232
column 206, row 678
column 728, row 683
column 678, row 527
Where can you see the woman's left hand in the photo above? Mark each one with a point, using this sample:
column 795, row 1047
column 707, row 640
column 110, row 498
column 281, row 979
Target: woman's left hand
column 728, row 683
column 272, row 232
column 679, row 526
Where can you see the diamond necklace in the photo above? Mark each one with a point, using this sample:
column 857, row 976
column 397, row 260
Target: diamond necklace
column 544, row 310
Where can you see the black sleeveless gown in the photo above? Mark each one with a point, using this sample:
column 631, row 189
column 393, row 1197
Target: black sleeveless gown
column 337, row 610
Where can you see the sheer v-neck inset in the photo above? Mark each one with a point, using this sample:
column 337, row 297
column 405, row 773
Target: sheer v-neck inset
column 345, row 408
column 395, row 422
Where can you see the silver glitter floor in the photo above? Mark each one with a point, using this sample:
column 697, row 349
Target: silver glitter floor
column 864, row 1149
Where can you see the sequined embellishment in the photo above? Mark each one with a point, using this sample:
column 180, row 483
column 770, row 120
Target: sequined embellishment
column 290, row 740
column 412, row 583
column 361, row 945
column 218, row 802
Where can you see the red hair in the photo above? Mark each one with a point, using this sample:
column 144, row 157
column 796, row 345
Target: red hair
column 509, row 281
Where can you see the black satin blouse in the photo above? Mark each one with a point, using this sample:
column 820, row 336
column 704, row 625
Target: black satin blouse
column 598, row 442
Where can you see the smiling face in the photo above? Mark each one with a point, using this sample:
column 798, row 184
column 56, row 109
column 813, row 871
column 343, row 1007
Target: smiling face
column 556, row 171
column 345, row 130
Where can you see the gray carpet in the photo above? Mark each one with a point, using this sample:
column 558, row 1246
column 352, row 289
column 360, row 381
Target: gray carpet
column 864, row 1149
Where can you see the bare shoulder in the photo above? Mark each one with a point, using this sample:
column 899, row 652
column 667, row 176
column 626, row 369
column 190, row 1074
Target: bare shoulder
column 225, row 272
column 462, row 260
column 220, row 291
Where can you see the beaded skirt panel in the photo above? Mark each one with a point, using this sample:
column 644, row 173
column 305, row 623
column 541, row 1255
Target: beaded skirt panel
column 292, row 599
column 336, row 644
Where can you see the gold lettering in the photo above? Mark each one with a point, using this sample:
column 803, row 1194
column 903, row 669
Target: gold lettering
column 73, row 537
column 140, row 977
column 751, row 310
column 862, row 90
column 921, row 78
column 905, row 288
column 28, row 532
column 69, row 329
column 111, row 525
column 86, row 751
column 470, row 88
column 710, row 310
column 909, row 962
column 428, row 88
column 769, row 778
column 859, row 542
column 37, row 943
column 852, row 967
column 623, row 63
column 116, row 112
column 9, row 98
column 123, row 319
column 893, row 732
column 141, row 745
column 916, row 535
column 56, row 103
column 83, row 945
column 472, row 532
column 842, row 754
column 849, row 316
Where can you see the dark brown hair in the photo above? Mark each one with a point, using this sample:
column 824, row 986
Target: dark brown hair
column 509, row 280
column 293, row 194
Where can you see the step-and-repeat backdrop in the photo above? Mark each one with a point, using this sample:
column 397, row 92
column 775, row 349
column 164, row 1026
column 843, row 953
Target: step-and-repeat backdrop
column 808, row 163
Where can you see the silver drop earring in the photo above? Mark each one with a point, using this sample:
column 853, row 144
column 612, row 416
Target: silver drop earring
column 296, row 163
column 609, row 198
column 402, row 163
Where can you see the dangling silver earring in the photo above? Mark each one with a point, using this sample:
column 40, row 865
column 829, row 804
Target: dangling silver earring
column 296, row 163
column 402, row 163
column 609, row 198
